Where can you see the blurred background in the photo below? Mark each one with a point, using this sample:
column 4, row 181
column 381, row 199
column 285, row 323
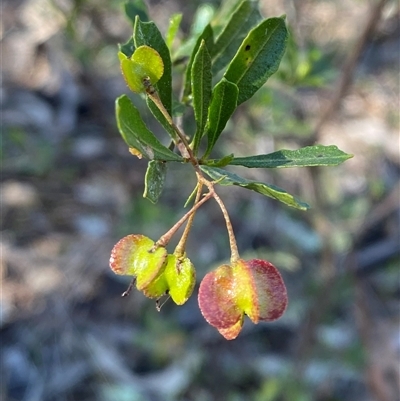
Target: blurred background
column 70, row 190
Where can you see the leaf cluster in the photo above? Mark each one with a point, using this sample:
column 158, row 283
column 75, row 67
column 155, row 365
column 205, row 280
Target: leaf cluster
column 228, row 57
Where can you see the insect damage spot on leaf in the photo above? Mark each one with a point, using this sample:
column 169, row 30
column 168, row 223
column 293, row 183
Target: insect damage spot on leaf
column 247, row 48
column 149, row 152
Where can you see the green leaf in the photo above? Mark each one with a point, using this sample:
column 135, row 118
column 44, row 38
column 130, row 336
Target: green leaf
column 135, row 8
column 127, row 48
column 242, row 19
column 201, row 87
column 192, row 196
column 173, row 27
column 318, row 155
column 145, row 62
column 226, row 178
column 147, row 33
column 219, row 162
column 224, row 13
column 154, row 180
column 137, row 135
column 201, row 19
column 223, row 104
column 208, row 37
column 258, row 57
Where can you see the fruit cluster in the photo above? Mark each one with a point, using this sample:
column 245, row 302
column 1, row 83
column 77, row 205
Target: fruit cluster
column 253, row 288
column 156, row 272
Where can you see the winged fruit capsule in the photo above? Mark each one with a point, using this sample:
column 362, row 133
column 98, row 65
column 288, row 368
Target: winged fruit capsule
column 145, row 63
column 157, row 273
column 177, row 280
column 254, row 288
column 134, row 255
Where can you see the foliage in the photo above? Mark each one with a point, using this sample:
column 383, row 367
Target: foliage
column 228, row 61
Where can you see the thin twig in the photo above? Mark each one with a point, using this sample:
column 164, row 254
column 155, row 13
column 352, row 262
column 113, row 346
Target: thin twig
column 164, row 240
column 180, row 248
column 232, row 240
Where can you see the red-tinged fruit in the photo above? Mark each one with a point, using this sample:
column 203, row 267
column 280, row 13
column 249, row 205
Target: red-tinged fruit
column 254, row 288
column 135, row 255
column 270, row 288
column 123, row 254
column 233, row 331
column 217, row 298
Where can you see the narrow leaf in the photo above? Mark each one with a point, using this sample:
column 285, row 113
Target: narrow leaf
column 224, row 161
column 201, row 19
column 223, row 104
column 242, row 19
column 318, row 155
column 258, row 57
column 137, row 135
column 226, row 178
column 154, row 180
column 224, row 13
column 173, row 27
column 135, row 8
column 208, row 37
column 192, row 196
column 201, row 88
column 127, row 48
